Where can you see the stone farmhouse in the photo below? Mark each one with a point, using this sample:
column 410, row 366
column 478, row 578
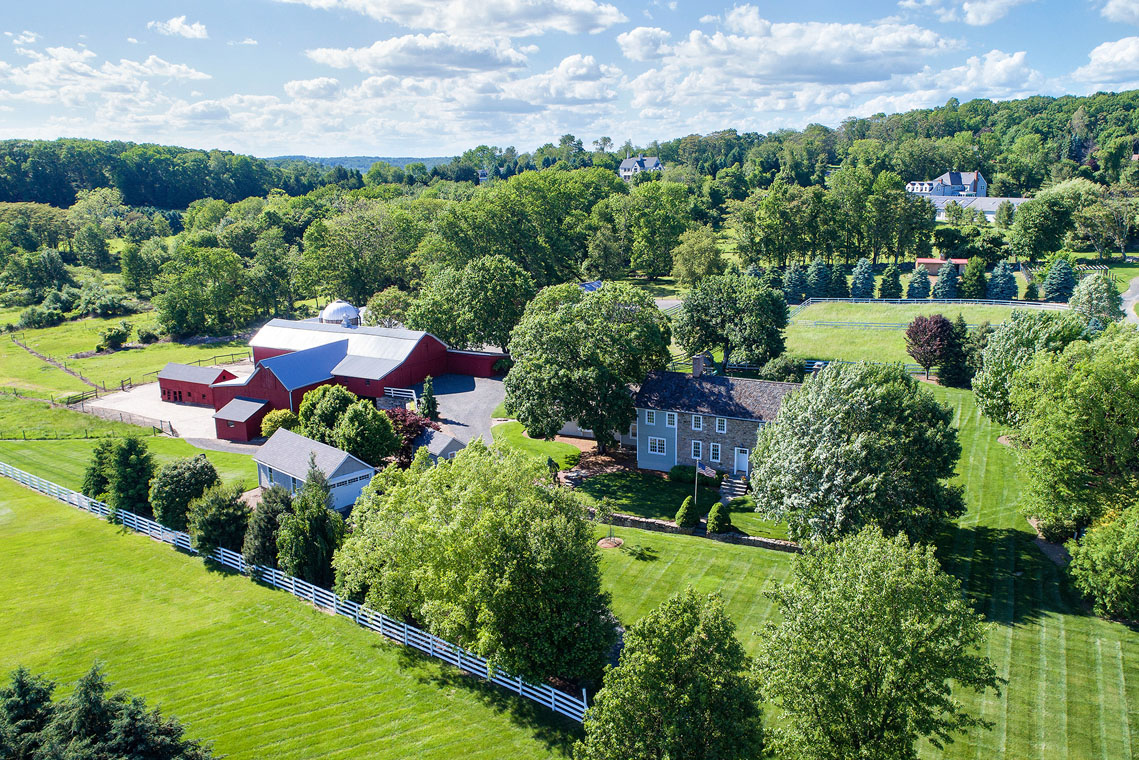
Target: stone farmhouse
column 631, row 167
column 952, row 183
column 284, row 461
column 682, row 419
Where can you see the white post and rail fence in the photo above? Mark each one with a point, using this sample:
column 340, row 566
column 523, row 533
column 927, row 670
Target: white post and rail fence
column 569, row 705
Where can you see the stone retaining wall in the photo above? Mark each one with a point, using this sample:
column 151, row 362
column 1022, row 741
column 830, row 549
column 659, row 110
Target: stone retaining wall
column 665, row 526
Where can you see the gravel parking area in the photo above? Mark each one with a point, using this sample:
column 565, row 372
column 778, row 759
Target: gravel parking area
column 466, row 404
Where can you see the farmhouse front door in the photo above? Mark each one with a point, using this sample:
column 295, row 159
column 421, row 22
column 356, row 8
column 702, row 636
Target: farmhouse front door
column 741, row 461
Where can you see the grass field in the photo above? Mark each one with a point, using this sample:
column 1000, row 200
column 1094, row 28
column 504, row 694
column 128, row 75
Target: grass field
column 512, row 435
column 847, row 344
column 38, row 419
column 62, row 341
column 64, row 462
column 32, row 376
column 886, row 313
column 251, row 669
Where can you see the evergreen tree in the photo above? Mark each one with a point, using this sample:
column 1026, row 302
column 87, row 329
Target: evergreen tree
column 131, row 467
column 719, row 519
column 840, row 283
column 891, row 284
column 260, row 544
column 946, row 285
column 918, row 286
column 687, row 516
column 1002, row 284
column 953, row 368
column 25, row 710
column 311, row 532
column 1096, row 297
column 1032, row 292
column 862, row 280
column 1060, row 282
column 218, row 518
column 178, row 483
column 428, row 404
column 973, row 283
column 97, row 477
column 818, row 279
column 794, row 284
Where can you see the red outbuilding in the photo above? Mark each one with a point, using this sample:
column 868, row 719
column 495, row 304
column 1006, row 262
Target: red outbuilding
column 240, row 419
column 190, row 384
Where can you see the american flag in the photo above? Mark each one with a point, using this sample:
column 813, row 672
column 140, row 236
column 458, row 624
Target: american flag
column 705, row 470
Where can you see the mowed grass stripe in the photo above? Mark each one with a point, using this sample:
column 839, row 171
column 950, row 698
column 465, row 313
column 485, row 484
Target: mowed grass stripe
column 249, row 668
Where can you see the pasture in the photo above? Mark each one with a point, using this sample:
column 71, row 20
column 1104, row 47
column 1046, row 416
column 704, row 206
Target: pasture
column 893, row 314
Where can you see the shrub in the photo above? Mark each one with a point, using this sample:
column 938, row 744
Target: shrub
column 276, row 419
column 114, row 336
column 1032, row 292
column 687, row 516
column 784, row 369
column 178, row 483
column 218, row 518
column 147, row 335
column 1105, row 565
column 686, row 473
column 40, row 316
column 719, row 519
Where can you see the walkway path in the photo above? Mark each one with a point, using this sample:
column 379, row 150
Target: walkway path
column 1131, row 301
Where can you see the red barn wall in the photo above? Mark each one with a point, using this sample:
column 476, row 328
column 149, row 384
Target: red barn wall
column 472, row 363
column 262, row 384
column 241, row 431
column 200, row 394
column 268, row 353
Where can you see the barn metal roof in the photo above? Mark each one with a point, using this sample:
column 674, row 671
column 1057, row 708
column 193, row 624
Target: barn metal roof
column 190, row 373
column 302, row 368
column 364, row 367
column 240, row 409
column 372, row 342
column 289, row 453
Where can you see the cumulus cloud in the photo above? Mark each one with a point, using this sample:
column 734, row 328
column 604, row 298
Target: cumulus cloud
column 1111, row 64
column 972, row 12
column 25, row 38
column 177, row 27
column 577, row 79
column 643, row 43
column 431, row 55
column 1123, row 11
column 499, row 18
column 321, row 88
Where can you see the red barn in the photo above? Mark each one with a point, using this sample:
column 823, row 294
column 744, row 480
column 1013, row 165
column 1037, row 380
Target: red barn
column 190, row 384
column 240, row 419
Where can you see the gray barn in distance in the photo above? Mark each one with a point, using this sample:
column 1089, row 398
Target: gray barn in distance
column 284, row 460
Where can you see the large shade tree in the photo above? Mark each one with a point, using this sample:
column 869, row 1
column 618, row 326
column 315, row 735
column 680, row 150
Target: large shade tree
column 857, row 445
column 576, row 354
column 873, row 641
column 735, row 314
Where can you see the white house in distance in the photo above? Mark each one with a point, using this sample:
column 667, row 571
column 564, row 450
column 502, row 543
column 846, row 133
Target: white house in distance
column 284, row 459
column 952, row 183
column 631, row 167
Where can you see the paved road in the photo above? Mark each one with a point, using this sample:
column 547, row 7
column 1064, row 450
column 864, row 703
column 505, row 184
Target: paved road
column 1130, row 300
column 466, row 403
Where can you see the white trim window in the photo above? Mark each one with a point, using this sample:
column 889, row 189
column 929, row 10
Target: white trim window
column 656, row 445
column 670, row 419
column 714, row 452
column 721, row 425
column 697, row 422
column 697, row 450
column 650, row 418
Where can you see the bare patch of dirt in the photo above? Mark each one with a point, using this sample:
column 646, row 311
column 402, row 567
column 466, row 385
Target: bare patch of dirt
column 610, row 543
column 1053, row 551
column 1005, row 440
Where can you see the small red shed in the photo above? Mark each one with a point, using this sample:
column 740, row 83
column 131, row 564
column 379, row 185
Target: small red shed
column 240, row 419
column 190, row 384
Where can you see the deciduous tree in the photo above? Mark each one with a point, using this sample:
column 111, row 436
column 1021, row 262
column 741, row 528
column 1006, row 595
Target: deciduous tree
column 218, row 518
column 927, row 338
column 320, row 410
column 874, row 641
column 1097, row 297
column 697, row 256
column 1105, row 564
column 178, row 483
column 388, row 308
column 735, row 314
column 366, row 433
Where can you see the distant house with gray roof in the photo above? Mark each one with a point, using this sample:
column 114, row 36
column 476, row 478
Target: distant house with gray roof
column 631, row 167
column 284, row 460
column 439, row 445
column 683, row 419
column 952, row 183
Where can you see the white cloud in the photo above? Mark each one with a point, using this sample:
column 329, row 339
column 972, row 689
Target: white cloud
column 1111, row 64
column 248, row 41
column 25, row 38
column 709, row 19
column 132, row 40
column 485, row 18
column 321, row 88
column 985, row 12
column 1123, row 11
column 643, row 43
column 431, row 55
column 177, row 27
column 577, row 79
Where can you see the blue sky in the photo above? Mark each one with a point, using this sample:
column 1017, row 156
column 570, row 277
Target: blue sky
column 398, row 77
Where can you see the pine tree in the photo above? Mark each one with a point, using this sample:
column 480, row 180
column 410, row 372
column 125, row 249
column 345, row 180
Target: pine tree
column 260, row 544
column 973, row 282
column 1032, row 292
column 25, row 710
column 862, row 280
column 794, row 284
column 953, row 368
column 818, row 279
column 1060, row 282
column 918, row 286
column 97, row 477
column 311, row 533
column 687, row 516
column 891, row 284
column 946, row 285
column 840, row 283
column 1002, row 283
column 131, row 468
column 428, row 404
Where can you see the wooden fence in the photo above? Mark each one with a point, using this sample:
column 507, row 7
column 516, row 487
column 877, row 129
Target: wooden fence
column 555, row 699
column 929, row 301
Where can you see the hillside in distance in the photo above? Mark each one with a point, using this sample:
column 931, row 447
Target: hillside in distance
column 363, row 163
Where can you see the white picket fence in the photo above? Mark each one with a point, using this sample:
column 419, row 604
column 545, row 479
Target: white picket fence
column 1042, row 305
column 400, row 632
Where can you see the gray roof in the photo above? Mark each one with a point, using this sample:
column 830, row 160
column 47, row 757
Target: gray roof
column 190, row 373
column 713, row 395
column 643, row 163
column 240, row 409
column 364, row 367
column 287, row 452
column 987, row 205
column 437, row 443
column 301, row 368
column 959, row 178
column 591, row 286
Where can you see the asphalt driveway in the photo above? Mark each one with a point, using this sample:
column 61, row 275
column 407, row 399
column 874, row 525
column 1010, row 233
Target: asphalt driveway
column 465, row 404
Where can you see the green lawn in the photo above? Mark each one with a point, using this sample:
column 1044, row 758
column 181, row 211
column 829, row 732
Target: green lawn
column 64, row 462
column 644, row 494
column 847, row 344
column 500, row 412
column 62, row 341
column 661, row 287
column 31, row 376
column 887, row 313
column 513, row 436
column 253, row 670
column 38, row 419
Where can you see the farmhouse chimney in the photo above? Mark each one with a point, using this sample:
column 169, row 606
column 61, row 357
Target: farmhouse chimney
column 697, row 365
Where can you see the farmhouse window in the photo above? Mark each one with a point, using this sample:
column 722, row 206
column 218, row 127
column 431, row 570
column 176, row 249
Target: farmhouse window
column 650, row 418
column 670, row 419
column 656, row 445
column 721, row 425
column 697, row 422
column 714, row 452
column 697, row 450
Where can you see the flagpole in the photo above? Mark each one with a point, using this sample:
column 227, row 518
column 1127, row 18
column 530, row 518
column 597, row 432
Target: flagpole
column 696, row 483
